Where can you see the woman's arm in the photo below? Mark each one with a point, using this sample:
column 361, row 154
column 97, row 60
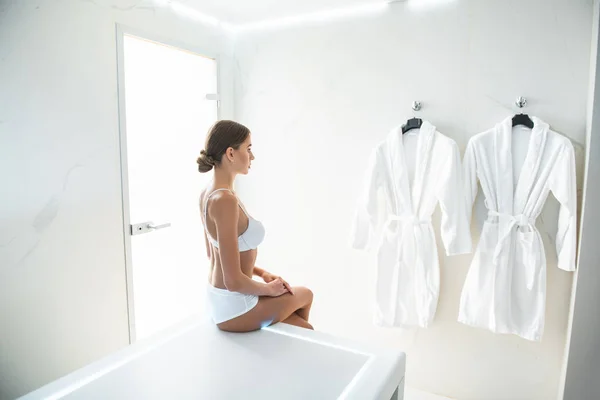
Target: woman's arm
column 225, row 213
column 258, row 271
column 269, row 277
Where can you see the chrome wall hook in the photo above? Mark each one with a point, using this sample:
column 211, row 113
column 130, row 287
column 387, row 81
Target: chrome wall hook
column 416, row 105
column 521, row 102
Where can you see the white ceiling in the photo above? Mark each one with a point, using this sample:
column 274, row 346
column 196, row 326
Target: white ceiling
column 247, row 11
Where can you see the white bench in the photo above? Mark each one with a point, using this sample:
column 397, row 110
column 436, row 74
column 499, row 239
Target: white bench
column 195, row 360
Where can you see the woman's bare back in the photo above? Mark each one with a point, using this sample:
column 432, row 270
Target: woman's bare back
column 247, row 258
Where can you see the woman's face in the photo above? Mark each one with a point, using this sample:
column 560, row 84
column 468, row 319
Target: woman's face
column 242, row 157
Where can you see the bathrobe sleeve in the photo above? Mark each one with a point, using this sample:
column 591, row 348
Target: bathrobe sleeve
column 563, row 186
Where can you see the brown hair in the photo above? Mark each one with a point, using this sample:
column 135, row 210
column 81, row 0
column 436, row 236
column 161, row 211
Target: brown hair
column 221, row 136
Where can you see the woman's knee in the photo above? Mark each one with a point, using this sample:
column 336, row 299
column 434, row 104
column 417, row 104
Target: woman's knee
column 305, row 293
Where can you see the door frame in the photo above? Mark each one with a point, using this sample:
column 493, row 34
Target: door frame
column 121, row 31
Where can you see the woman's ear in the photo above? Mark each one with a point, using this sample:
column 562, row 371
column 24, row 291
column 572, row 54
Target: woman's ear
column 229, row 153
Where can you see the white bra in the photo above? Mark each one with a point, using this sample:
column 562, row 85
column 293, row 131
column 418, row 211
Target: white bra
column 252, row 236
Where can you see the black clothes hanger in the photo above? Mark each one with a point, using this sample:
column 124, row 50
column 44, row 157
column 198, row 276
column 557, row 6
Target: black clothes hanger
column 522, row 119
column 413, row 123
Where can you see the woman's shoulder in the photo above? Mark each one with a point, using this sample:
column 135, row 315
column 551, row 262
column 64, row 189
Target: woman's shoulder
column 210, row 193
column 221, row 201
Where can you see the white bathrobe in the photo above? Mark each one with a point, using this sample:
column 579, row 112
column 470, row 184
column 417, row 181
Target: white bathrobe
column 505, row 289
column 412, row 172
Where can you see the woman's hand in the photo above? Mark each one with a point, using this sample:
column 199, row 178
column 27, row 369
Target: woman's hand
column 276, row 288
column 269, row 277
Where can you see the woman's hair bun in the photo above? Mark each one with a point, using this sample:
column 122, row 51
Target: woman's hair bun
column 205, row 162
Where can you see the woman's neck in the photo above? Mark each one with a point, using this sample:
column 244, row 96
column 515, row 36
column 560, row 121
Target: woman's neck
column 223, row 179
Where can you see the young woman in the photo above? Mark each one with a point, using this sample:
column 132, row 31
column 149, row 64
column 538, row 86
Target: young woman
column 239, row 303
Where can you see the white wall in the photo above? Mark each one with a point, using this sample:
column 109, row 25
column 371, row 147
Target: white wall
column 583, row 362
column 318, row 97
column 62, row 271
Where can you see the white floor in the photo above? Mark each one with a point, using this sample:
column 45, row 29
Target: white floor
column 415, row 394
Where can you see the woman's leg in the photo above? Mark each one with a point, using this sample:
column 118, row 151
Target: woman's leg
column 296, row 320
column 304, row 312
column 270, row 310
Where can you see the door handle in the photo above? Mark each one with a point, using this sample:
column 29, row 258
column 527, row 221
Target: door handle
column 155, row 227
column 145, row 227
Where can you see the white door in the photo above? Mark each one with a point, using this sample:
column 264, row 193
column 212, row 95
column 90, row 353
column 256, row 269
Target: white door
column 167, row 104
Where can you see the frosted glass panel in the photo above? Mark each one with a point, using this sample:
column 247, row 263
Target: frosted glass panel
column 167, row 116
